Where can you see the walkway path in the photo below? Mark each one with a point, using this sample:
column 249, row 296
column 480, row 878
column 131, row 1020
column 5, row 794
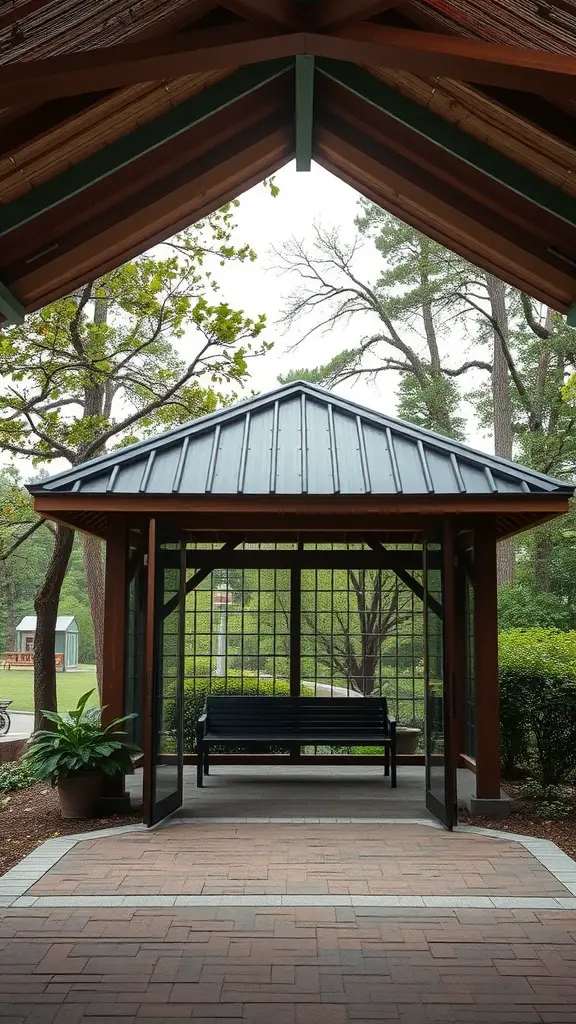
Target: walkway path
column 327, row 921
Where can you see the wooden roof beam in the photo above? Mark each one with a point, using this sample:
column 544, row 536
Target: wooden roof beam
column 11, row 309
column 471, row 60
column 304, row 111
column 230, row 46
column 141, row 141
column 470, row 150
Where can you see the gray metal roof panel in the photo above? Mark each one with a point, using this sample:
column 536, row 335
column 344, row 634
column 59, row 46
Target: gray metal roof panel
column 300, row 439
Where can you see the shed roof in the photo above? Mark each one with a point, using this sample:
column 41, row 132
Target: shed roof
column 63, row 623
column 122, row 123
column 300, row 439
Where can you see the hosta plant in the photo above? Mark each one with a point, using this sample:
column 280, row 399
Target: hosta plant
column 79, row 744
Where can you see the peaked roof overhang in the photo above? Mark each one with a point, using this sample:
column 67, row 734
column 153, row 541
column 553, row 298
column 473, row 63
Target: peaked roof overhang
column 300, row 448
column 121, row 126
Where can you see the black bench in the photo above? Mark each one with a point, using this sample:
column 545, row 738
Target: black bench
column 255, row 722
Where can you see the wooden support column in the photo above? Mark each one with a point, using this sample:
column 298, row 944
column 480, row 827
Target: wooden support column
column 295, row 640
column 486, row 664
column 114, row 654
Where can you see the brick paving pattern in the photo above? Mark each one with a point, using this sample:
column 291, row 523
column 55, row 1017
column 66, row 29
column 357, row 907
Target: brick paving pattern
column 341, row 859
column 287, row 966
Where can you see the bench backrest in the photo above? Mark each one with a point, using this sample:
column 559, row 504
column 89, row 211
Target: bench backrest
column 313, row 715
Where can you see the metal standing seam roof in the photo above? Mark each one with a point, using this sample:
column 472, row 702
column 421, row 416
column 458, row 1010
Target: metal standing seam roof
column 28, row 624
column 299, row 439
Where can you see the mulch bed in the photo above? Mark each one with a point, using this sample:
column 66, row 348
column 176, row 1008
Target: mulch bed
column 33, row 815
column 523, row 819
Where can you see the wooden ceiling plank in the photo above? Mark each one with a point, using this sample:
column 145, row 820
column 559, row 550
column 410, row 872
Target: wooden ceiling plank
column 161, row 218
column 431, row 54
column 451, row 138
column 144, row 139
column 230, row 46
column 11, row 309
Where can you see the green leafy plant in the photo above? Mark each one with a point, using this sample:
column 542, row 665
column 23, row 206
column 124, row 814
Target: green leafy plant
column 79, row 743
column 538, row 703
column 16, row 775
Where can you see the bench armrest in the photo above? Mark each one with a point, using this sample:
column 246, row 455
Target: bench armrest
column 202, row 718
column 392, row 719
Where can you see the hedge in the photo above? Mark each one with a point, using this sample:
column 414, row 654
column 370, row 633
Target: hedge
column 196, row 691
column 538, row 703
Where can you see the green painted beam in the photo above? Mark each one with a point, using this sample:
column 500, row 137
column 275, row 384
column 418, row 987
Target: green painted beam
column 571, row 315
column 12, row 310
column 472, row 151
column 304, row 111
column 141, row 141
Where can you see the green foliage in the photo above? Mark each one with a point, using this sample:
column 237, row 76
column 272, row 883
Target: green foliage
column 196, row 691
column 79, row 743
column 538, row 703
column 16, row 775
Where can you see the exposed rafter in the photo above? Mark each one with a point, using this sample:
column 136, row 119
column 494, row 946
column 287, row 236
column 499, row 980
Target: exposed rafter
column 144, row 139
column 11, row 309
column 427, row 53
column 230, row 46
column 467, row 148
column 304, row 111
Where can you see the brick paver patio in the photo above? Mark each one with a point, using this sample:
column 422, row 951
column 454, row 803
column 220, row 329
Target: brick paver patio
column 295, row 859
column 275, row 966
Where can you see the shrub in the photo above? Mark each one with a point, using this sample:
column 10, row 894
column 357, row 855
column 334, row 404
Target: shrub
column 538, row 702
column 196, row 691
column 16, row 775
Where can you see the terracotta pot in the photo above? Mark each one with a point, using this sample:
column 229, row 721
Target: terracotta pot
column 407, row 739
column 79, row 793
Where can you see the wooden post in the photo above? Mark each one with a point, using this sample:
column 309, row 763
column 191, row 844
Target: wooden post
column 114, row 652
column 486, row 665
column 295, row 641
column 148, row 732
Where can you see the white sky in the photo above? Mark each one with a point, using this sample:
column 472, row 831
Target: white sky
column 304, row 198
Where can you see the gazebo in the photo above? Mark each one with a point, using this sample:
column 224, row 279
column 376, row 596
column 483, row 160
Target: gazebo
column 299, row 479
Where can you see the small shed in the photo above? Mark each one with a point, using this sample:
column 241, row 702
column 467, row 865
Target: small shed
column 66, row 638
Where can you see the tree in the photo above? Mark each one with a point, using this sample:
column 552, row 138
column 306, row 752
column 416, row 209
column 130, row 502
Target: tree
column 77, row 381
column 406, row 313
column 352, row 645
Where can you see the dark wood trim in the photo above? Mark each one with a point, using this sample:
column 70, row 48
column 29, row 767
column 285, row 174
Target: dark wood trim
column 465, row 761
column 332, row 505
column 308, row 759
column 227, row 558
column 295, row 630
column 486, row 665
column 114, row 649
column 148, row 734
column 449, row 628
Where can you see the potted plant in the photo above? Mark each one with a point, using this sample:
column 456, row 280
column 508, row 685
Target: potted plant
column 77, row 752
column 407, row 739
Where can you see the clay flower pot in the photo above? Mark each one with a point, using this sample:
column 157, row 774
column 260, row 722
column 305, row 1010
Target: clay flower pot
column 79, row 793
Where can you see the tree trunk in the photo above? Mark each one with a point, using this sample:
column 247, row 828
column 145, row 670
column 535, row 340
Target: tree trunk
column 94, row 573
column 502, row 406
column 46, row 604
column 9, row 606
column 542, row 570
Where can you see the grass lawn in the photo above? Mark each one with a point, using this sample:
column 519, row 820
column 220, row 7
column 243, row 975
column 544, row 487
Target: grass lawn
column 17, row 685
